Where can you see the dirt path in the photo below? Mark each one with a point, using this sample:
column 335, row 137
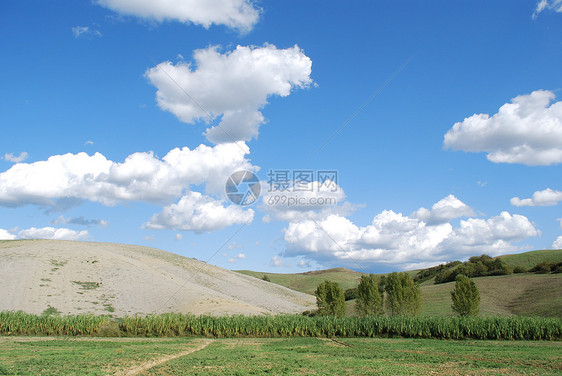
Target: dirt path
column 153, row 363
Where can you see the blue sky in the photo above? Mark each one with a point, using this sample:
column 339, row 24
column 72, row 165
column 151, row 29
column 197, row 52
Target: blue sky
column 122, row 121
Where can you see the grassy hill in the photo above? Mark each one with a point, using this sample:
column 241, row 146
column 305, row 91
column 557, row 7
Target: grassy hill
column 516, row 294
column 307, row 282
column 529, row 259
column 523, row 294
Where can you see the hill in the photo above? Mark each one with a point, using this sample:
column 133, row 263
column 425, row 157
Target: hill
column 524, row 294
column 103, row 278
column 307, row 282
column 529, row 259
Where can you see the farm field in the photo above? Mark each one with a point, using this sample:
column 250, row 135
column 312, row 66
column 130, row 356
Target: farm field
column 289, row 356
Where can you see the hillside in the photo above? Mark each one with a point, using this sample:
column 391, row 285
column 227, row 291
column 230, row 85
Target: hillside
column 103, row 278
column 307, row 282
column 529, row 259
column 524, row 294
column 515, row 294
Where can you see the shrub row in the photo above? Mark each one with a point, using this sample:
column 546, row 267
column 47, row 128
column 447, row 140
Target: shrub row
column 167, row 325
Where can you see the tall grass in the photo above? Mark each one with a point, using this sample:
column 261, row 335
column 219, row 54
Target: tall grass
column 496, row 328
column 19, row 323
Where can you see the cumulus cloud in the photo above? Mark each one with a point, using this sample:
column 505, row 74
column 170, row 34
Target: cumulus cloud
column 444, row 210
column 405, row 241
column 547, row 197
column 234, row 86
column 237, row 14
column 304, row 201
column 542, row 5
column 16, row 159
column 528, row 131
column 5, row 235
column 199, row 213
column 80, row 31
column 52, row 233
column 71, row 178
column 557, row 243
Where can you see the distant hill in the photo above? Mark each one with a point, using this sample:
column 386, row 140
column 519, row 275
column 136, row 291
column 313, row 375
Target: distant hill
column 102, row 278
column 307, row 282
column 529, row 259
column 524, row 294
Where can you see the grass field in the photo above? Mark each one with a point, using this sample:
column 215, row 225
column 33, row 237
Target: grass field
column 279, row 356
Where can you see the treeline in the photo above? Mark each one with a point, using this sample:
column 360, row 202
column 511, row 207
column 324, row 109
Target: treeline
column 545, row 268
column 480, row 266
column 172, row 325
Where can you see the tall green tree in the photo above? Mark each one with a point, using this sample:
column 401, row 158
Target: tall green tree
column 465, row 296
column 369, row 299
column 403, row 294
column 330, row 299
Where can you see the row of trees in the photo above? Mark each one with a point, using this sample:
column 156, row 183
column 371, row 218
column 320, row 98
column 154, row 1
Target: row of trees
column 403, row 296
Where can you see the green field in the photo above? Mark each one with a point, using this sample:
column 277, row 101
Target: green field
column 279, row 356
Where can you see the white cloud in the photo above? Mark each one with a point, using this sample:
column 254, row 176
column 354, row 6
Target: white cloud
column 237, row 14
column 240, row 256
column 234, row 86
column 403, row 241
column 276, row 261
column 493, row 236
column 199, row 213
column 80, row 31
column 557, row 243
column 304, row 201
column 16, row 159
column 89, row 142
column 444, row 210
column 554, row 5
column 5, row 235
column 70, row 178
column 304, row 263
column 526, row 131
column 547, row 197
column 178, row 237
column 52, row 233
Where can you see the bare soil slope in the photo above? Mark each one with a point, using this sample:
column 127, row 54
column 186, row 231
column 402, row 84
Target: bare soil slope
column 104, row 278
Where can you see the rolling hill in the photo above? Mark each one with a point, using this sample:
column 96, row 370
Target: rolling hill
column 307, row 282
column 525, row 294
column 103, row 278
column 529, row 259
